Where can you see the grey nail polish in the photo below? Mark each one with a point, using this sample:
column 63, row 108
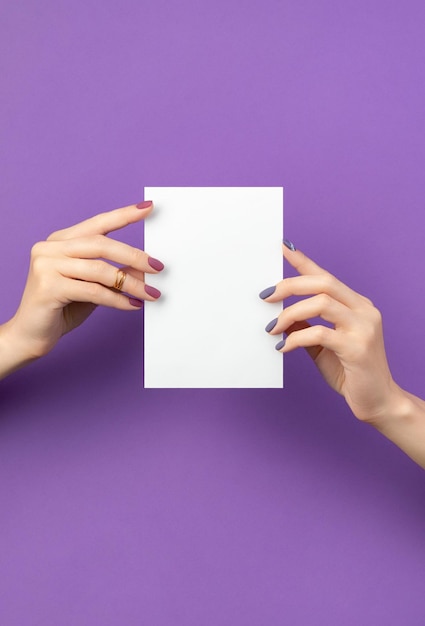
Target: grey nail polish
column 267, row 292
column 289, row 244
column 280, row 345
column 271, row 325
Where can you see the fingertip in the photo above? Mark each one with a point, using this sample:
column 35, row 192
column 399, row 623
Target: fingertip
column 152, row 291
column 146, row 204
column 156, row 264
column 271, row 325
column 136, row 303
column 143, row 209
column 288, row 245
column 266, row 293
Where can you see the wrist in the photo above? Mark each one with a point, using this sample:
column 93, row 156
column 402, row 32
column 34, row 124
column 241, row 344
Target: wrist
column 401, row 408
column 13, row 350
column 404, row 424
column 398, row 409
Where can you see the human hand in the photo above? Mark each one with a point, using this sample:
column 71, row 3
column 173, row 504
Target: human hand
column 69, row 276
column 350, row 356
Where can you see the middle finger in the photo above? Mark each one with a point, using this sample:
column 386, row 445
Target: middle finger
column 313, row 284
column 99, row 246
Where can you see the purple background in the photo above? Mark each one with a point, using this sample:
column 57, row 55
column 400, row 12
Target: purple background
column 128, row 506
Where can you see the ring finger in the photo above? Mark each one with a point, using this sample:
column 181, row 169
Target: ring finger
column 97, row 271
column 321, row 305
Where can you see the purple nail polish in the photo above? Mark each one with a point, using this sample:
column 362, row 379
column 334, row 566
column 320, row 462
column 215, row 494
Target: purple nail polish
column 267, row 292
column 151, row 291
column 289, row 244
column 271, row 325
column 280, row 345
column 155, row 263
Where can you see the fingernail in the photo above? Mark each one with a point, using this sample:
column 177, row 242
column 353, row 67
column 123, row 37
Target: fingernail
column 267, row 292
column 144, row 205
column 135, row 302
column 271, row 325
column 151, row 291
column 280, row 345
column 289, row 244
column 157, row 265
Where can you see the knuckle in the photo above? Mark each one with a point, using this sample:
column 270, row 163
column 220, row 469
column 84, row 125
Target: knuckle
column 39, row 263
column 53, row 235
column 376, row 315
column 137, row 257
column 37, row 249
column 99, row 220
column 368, row 301
column 328, row 281
column 325, row 300
column 320, row 333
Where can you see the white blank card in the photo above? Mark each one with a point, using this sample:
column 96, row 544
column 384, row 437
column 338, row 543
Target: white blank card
column 221, row 246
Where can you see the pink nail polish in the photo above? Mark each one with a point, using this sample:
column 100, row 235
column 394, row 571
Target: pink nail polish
column 157, row 265
column 155, row 293
column 136, row 303
column 144, row 205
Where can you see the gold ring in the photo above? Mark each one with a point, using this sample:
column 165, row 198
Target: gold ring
column 119, row 281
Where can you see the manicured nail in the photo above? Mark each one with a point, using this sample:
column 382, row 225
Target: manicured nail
column 157, row 265
column 137, row 303
column 271, row 325
column 144, row 205
column 289, row 244
column 280, row 345
column 267, row 292
column 155, row 293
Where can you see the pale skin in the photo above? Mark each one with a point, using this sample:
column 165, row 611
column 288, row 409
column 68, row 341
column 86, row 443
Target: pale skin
column 351, row 355
column 71, row 273
column 69, row 276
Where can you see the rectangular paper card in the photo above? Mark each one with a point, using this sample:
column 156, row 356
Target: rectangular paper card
column 221, row 246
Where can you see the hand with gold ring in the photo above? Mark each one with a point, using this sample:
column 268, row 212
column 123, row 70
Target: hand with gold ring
column 350, row 355
column 69, row 276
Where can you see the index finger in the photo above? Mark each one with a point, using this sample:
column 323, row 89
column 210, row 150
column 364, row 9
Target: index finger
column 330, row 283
column 104, row 223
column 301, row 262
